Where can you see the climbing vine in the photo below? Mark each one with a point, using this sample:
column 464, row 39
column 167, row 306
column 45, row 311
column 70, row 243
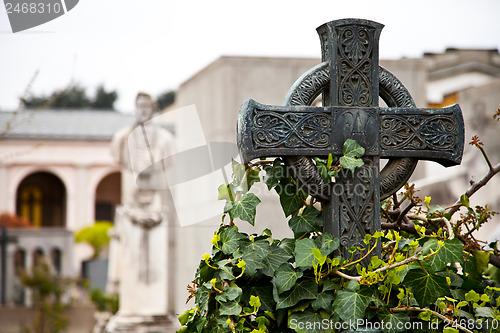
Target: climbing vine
column 432, row 275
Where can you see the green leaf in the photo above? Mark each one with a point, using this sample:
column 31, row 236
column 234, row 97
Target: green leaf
column 303, row 252
column 328, row 244
column 261, row 246
column 229, row 294
column 252, row 177
column 230, row 309
column 482, row 259
column 329, row 161
column 291, row 198
column 225, row 192
column 225, row 273
column 464, row 199
column 351, row 305
column 393, row 322
column 352, row 152
column 253, row 262
column 274, row 174
column 288, row 244
column 324, row 301
column 265, row 293
column 309, row 322
column 352, row 148
column 202, row 296
column 231, row 239
column 449, row 253
column 274, row 259
column 485, row 312
column 285, row 277
column 307, row 289
column 244, row 209
column 309, row 221
column 426, row 288
column 351, row 163
column 238, row 172
column 435, row 209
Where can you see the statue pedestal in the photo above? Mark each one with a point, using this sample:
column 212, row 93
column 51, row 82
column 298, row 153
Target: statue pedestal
column 142, row 251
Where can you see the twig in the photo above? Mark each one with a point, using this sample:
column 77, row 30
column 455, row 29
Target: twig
column 447, row 223
column 452, row 323
column 475, row 187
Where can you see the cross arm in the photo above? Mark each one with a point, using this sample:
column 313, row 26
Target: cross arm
column 435, row 134
column 271, row 131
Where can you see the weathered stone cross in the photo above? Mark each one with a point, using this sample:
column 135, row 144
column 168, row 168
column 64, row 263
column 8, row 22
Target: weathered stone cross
column 351, row 82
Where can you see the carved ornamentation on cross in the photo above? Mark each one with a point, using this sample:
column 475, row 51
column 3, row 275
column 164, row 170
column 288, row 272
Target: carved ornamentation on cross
column 351, row 81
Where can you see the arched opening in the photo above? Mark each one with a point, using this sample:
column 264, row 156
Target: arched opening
column 41, row 199
column 56, row 260
column 107, row 197
column 38, row 257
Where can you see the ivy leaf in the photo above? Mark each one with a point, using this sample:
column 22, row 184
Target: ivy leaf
column 225, row 273
column 351, row 305
column 309, row 221
column 328, row 244
column 238, row 171
column 230, row 309
column 426, row 288
column 244, row 209
column 265, row 293
column 450, row 252
column 225, row 192
column 304, row 252
column 274, row 174
column 253, row 262
column 252, row 177
column 274, row 259
column 291, row 197
column 285, row 277
column 288, row 244
column 202, row 296
column 351, row 163
column 485, row 312
column 231, row 239
column 352, row 152
column 261, row 246
column 307, row 289
column 309, row 322
column 324, row 301
column 229, row 294
column 393, row 322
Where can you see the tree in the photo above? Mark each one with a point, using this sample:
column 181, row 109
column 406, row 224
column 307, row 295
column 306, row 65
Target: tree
column 73, row 97
column 166, row 99
column 104, row 99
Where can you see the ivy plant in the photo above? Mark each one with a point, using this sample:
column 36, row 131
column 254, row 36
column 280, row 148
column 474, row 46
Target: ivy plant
column 432, row 275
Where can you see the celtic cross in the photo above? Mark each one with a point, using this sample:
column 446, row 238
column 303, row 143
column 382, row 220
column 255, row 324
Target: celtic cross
column 351, row 81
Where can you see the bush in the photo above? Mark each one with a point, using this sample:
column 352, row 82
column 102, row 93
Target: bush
column 96, row 236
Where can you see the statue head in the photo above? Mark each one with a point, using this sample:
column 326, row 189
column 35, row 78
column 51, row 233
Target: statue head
column 145, row 107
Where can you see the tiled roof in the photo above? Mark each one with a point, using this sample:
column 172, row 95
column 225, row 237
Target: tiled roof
column 81, row 124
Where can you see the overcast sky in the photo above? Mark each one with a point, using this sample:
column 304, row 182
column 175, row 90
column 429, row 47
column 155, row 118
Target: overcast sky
column 155, row 45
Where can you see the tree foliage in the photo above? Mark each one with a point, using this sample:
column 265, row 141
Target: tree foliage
column 166, row 99
column 432, row 275
column 73, row 97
